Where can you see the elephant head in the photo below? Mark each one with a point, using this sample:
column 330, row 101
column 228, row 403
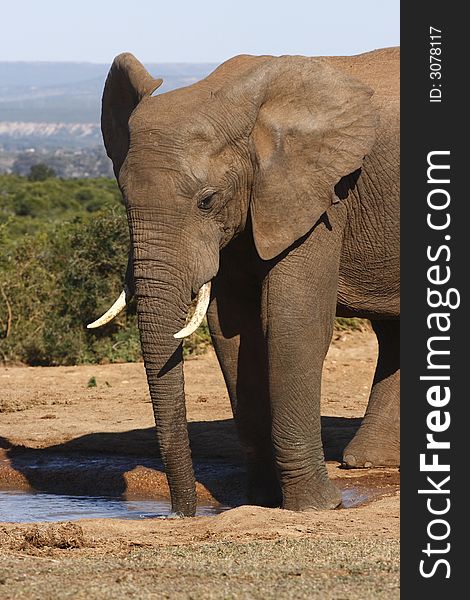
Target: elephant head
column 260, row 143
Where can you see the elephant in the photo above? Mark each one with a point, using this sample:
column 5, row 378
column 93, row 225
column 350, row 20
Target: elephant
column 269, row 191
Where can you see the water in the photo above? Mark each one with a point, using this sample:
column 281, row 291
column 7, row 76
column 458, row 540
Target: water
column 27, row 507
column 353, row 497
column 360, row 490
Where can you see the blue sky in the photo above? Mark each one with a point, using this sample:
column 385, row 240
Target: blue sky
column 192, row 30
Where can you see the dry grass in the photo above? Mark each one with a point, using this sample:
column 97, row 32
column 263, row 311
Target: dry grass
column 39, row 537
column 356, row 569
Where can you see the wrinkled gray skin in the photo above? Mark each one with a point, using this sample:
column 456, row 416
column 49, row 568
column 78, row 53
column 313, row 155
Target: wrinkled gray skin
column 277, row 179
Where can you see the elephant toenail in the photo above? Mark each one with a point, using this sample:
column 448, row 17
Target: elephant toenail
column 368, row 465
column 350, row 460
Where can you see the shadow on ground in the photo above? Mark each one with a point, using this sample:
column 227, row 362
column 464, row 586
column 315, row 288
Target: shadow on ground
column 124, row 464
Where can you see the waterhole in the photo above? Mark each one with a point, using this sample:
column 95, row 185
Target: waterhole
column 37, row 486
column 28, row 507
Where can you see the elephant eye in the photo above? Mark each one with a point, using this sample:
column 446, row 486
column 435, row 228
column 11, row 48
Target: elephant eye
column 206, row 201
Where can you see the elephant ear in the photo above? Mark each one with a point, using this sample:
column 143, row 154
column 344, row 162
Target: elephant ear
column 127, row 83
column 314, row 125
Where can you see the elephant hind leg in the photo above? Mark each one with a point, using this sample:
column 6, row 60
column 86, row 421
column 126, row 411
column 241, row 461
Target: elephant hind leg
column 377, row 442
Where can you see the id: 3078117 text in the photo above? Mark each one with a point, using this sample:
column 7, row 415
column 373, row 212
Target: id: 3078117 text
column 435, row 64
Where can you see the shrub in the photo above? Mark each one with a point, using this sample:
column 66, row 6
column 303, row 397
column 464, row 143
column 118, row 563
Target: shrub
column 40, row 172
column 54, row 282
column 54, row 199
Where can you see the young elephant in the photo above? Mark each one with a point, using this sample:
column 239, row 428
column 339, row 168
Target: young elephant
column 276, row 179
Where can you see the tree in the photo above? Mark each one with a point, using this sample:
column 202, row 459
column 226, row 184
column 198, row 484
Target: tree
column 40, row 172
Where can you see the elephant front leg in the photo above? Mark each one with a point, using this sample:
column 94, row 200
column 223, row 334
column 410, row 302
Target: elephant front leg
column 299, row 302
column 377, row 442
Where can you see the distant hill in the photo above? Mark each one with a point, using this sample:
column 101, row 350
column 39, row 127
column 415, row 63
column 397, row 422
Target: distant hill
column 48, row 104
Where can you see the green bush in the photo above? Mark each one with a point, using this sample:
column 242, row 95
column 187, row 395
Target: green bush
column 40, row 172
column 54, row 199
column 55, row 282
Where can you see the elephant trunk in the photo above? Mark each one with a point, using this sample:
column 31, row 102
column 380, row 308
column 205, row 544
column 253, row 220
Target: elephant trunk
column 163, row 293
column 161, row 312
column 163, row 283
column 163, row 290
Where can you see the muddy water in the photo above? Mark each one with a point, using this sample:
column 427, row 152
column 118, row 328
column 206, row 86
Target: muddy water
column 28, row 507
column 50, row 487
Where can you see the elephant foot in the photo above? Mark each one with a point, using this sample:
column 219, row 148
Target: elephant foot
column 373, row 447
column 323, row 496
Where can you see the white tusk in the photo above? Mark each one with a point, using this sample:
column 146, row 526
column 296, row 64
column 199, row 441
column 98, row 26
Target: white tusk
column 203, row 298
column 112, row 312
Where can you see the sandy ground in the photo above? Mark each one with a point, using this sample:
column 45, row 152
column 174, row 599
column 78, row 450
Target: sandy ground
column 59, row 435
